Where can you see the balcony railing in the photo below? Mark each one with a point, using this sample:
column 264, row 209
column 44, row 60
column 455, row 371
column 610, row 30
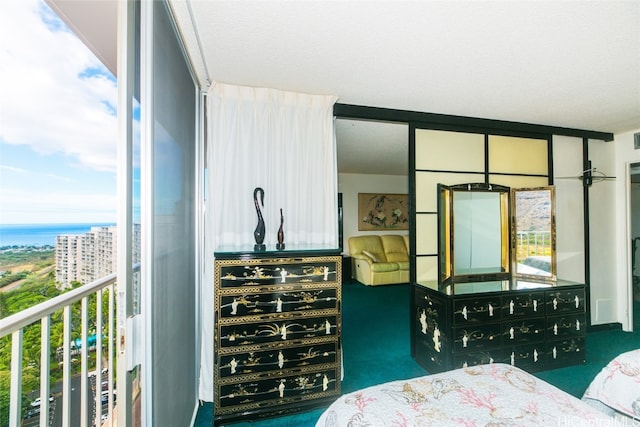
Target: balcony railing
column 86, row 366
column 533, row 252
column 533, row 243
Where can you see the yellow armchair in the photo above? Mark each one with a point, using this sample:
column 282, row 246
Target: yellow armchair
column 379, row 260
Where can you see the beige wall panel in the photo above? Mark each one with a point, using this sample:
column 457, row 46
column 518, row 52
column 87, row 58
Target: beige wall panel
column 427, row 187
column 426, row 269
column 427, row 232
column 519, row 181
column 508, row 154
column 443, row 150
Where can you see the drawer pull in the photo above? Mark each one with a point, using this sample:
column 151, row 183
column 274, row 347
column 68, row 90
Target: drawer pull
column 511, row 304
column 555, row 303
column 555, row 329
column 464, row 312
column 465, row 340
column 513, row 359
column 511, row 333
column 436, row 339
column 577, row 300
column 490, row 310
column 577, row 325
column 535, row 305
column 535, row 355
column 555, row 352
column 280, row 359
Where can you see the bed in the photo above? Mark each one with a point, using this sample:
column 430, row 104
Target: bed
column 616, row 388
column 486, row 395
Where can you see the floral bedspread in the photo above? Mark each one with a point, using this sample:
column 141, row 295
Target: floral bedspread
column 486, row 395
column 618, row 384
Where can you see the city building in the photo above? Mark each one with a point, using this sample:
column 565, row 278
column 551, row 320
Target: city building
column 86, row 257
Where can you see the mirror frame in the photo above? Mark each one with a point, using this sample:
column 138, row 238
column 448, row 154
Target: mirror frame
column 552, row 234
column 446, row 232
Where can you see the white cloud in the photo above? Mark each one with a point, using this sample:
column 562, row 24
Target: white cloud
column 13, row 169
column 61, row 207
column 59, row 107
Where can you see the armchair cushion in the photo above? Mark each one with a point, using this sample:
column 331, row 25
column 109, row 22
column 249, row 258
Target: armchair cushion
column 403, row 265
column 381, row 267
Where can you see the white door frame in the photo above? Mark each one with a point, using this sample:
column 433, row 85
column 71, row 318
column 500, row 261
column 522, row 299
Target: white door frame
column 628, row 238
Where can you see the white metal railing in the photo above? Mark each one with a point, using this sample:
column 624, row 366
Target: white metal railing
column 534, row 243
column 82, row 348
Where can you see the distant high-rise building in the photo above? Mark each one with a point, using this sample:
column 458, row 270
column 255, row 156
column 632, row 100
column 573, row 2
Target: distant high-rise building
column 85, row 257
column 67, row 259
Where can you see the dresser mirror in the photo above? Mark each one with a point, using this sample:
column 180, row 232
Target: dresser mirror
column 473, row 232
column 534, row 233
column 493, row 232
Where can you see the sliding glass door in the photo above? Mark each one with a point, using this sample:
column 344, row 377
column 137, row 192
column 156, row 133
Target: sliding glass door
column 158, row 212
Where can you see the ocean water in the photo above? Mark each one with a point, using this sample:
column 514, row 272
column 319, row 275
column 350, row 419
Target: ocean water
column 39, row 234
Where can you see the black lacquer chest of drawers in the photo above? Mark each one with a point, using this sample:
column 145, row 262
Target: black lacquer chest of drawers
column 534, row 328
column 277, row 325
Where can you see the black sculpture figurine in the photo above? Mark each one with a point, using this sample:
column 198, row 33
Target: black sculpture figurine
column 280, row 245
column 258, row 234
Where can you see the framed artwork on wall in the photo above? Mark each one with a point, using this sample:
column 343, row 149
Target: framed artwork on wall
column 381, row 211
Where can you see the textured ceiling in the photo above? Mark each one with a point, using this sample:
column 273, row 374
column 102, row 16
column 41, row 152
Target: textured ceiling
column 560, row 63
column 571, row 64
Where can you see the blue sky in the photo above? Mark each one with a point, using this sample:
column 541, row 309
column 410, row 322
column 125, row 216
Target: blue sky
column 58, row 127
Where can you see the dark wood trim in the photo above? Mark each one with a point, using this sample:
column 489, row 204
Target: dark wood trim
column 450, row 122
column 412, row 236
column 486, row 158
column 587, row 259
column 550, row 160
column 605, row 327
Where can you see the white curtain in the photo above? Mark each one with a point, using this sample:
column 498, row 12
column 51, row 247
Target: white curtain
column 284, row 143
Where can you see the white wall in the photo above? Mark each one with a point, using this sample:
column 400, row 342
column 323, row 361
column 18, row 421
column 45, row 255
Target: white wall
column 352, row 184
column 567, row 165
column 624, row 155
column 604, row 275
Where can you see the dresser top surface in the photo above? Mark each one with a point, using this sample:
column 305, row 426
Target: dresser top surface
column 238, row 252
column 468, row 288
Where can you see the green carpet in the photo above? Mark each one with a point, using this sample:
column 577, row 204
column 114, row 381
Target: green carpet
column 375, row 345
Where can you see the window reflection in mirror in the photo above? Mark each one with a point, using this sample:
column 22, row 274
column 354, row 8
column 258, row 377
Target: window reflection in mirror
column 533, row 236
